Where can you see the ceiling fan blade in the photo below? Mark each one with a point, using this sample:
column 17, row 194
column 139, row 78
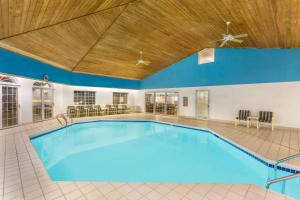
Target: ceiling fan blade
column 237, row 40
column 241, row 35
column 146, row 62
column 141, row 61
column 223, row 43
column 215, row 41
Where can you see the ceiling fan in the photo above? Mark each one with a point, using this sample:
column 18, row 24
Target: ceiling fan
column 141, row 60
column 227, row 37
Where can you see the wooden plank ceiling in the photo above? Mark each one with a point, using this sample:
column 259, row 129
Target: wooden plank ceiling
column 104, row 37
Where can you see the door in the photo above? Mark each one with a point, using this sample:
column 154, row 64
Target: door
column 172, row 103
column 42, row 103
column 149, row 102
column 160, row 102
column 9, row 106
column 37, row 104
column 47, row 103
column 202, row 104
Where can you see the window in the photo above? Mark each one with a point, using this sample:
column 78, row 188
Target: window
column 84, row 97
column 185, row 101
column 206, row 56
column 149, row 102
column 120, row 98
column 9, row 98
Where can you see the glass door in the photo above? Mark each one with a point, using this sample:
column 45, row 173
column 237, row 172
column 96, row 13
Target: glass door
column 47, row 103
column 42, row 103
column 37, row 104
column 160, row 102
column 172, row 103
column 149, row 102
column 9, row 106
column 202, row 104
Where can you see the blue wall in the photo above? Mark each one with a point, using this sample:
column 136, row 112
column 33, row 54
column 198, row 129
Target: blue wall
column 103, row 81
column 19, row 65
column 231, row 66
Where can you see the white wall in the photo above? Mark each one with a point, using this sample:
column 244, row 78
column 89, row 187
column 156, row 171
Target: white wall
column 63, row 96
column 281, row 98
column 25, row 99
column 58, row 99
column 140, row 99
column 103, row 95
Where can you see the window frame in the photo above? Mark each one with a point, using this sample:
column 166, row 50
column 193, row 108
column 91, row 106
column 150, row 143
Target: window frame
column 116, row 99
column 83, row 97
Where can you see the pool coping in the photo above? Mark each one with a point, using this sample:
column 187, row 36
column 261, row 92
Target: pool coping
column 267, row 162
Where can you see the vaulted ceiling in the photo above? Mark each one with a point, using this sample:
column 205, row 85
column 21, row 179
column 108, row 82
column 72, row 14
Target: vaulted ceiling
column 104, row 37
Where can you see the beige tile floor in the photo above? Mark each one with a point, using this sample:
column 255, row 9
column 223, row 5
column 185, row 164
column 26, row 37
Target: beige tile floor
column 23, row 176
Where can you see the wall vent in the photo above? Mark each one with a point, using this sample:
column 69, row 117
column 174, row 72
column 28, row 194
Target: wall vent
column 206, row 56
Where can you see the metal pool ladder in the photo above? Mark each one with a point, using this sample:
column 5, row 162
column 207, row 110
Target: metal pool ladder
column 63, row 117
column 292, row 176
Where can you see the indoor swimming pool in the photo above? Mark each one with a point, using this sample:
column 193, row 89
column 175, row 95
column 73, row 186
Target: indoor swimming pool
column 145, row 151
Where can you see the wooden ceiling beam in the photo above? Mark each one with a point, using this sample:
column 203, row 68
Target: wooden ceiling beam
column 99, row 38
column 63, row 45
column 75, row 18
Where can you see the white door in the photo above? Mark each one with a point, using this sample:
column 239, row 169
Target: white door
column 202, row 104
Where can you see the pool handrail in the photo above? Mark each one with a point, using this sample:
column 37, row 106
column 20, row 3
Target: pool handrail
column 57, row 118
column 276, row 180
column 284, row 160
column 292, row 176
column 64, row 118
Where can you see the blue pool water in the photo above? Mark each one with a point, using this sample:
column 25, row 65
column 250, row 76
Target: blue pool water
column 149, row 152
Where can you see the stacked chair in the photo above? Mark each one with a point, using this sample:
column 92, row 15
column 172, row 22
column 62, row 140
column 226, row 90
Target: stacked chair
column 82, row 111
column 110, row 109
column 149, row 107
column 171, row 109
column 125, row 109
column 91, row 110
column 96, row 110
column 99, row 110
column 71, row 111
